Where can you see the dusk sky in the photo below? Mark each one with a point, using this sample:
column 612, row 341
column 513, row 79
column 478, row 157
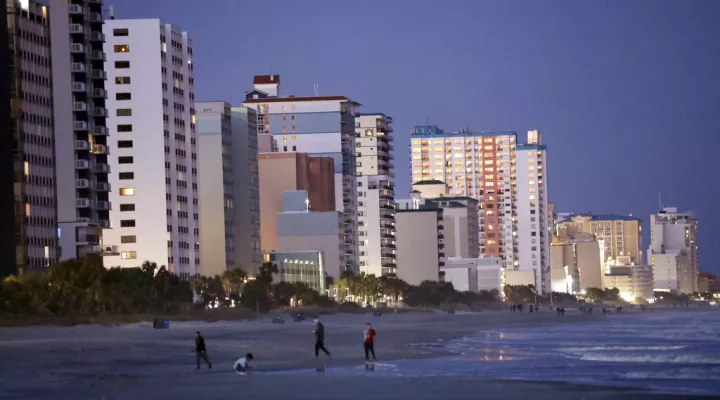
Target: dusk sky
column 626, row 93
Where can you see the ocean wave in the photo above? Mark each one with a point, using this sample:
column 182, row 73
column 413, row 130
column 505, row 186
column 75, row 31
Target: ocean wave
column 625, row 348
column 655, row 358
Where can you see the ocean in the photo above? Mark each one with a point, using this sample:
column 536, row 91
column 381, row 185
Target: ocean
column 668, row 352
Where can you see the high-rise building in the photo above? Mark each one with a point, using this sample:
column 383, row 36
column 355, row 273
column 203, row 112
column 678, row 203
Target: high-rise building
column 619, row 235
column 9, row 237
column 376, row 193
column 283, row 172
column 154, row 167
column 487, row 167
column 31, row 100
column 673, row 250
column 81, row 133
column 420, row 251
column 320, row 126
column 578, row 257
column 228, row 178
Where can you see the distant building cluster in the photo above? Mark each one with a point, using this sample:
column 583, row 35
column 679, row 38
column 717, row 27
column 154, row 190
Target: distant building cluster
column 109, row 153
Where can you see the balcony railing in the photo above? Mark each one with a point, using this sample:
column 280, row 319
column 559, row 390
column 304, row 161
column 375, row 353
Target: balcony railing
column 82, row 164
column 82, row 145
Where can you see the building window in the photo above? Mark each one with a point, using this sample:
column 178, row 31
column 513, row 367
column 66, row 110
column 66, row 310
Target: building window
column 126, row 175
column 128, row 239
column 122, row 64
column 125, row 160
column 123, row 112
column 123, row 96
column 127, row 223
column 122, row 48
column 124, row 128
column 293, row 127
column 294, row 138
column 128, row 255
column 122, row 80
column 120, row 32
column 127, row 207
column 127, row 191
column 124, row 144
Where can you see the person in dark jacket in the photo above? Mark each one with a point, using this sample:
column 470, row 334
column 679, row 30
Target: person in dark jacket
column 320, row 338
column 201, row 351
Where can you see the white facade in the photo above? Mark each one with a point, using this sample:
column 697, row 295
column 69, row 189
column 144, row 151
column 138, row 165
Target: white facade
column 154, row 169
column 533, row 235
column 376, row 194
column 474, row 274
column 673, row 250
column 319, row 126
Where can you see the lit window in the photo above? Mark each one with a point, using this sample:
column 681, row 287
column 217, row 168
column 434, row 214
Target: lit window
column 292, row 117
column 294, row 138
column 122, row 48
column 27, row 210
column 127, row 191
column 128, row 255
column 293, row 127
column 26, row 168
column 284, row 117
column 122, row 80
column 284, row 138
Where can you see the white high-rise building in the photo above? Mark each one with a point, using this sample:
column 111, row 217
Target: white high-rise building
column 673, row 250
column 533, row 234
column 154, row 169
column 320, row 126
column 376, row 194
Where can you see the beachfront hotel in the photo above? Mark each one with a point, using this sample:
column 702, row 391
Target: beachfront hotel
column 376, row 194
column 419, row 237
column 620, row 235
column 508, row 180
column 154, row 164
column 228, row 189
column 320, row 126
column 673, row 250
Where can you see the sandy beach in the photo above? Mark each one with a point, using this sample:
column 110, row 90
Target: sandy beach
column 138, row 362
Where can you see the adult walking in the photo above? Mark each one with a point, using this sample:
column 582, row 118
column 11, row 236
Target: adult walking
column 320, row 339
column 201, row 351
column 369, row 342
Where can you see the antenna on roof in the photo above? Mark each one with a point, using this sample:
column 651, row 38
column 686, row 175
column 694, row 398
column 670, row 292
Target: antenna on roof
column 316, row 89
column 111, row 12
column 660, row 205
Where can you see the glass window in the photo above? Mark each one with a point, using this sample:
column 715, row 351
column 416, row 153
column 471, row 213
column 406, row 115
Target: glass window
column 128, row 255
column 127, row 207
column 120, row 32
column 124, row 112
column 128, row 239
column 122, row 64
column 122, row 48
column 127, row 191
column 122, row 80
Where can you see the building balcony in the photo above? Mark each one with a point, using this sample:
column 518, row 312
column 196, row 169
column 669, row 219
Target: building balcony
column 82, row 184
column 100, row 131
column 79, row 87
column 97, row 55
column 80, row 126
column 79, row 106
column 103, row 205
column 102, row 168
column 76, row 29
column 387, row 206
column 100, row 112
column 82, row 203
column 82, row 164
column 75, row 9
column 77, row 48
column 84, row 219
column 99, row 93
column 102, row 186
column 95, row 17
column 82, row 145
column 98, row 74
column 77, row 67
column 103, row 223
column 96, row 36
column 100, row 149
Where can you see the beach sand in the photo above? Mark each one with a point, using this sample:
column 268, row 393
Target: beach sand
column 138, row 362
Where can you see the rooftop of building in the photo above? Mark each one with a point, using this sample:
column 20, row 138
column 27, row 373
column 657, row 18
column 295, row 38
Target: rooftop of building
column 429, row 182
column 296, row 99
column 372, row 114
column 434, row 131
column 266, row 79
column 601, row 217
column 530, row 147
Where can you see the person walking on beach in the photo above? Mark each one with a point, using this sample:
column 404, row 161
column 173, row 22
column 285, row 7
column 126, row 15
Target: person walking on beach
column 320, row 339
column 201, row 351
column 369, row 342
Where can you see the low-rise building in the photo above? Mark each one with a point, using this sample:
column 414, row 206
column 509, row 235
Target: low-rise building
column 633, row 281
column 578, row 256
column 306, row 267
column 474, row 274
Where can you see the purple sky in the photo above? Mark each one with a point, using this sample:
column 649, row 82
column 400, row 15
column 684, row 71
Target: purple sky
column 626, row 93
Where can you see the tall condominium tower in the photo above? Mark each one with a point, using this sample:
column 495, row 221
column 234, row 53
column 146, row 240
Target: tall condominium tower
column 228, row 179
column 482, row 165
column 31, row 95
column 320, row 126
column 81, row 141
column 673, row 250
column 376, row 194
column 8, row 238
column 154, row 166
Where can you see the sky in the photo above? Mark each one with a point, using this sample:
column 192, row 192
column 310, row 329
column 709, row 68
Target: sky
column 626, row 93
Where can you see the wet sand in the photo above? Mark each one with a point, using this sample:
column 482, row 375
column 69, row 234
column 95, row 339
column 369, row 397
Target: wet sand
column 138, row 362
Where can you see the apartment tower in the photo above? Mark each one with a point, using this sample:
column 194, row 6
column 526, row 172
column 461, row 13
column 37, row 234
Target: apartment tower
column 620, row 235
column 81, row 133
column 8, row 238
column 673, row 250
column 154, row 168
column 376, row 194
column 31, row 95
column 320, row 126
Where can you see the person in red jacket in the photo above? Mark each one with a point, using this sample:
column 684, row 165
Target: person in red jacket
column 369, row 341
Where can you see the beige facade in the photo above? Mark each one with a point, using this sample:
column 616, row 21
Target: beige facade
column 633, row 282
column 621, row 235
column 582, row 256
column 419, row 251
column 281, row 172
column 430, row 189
